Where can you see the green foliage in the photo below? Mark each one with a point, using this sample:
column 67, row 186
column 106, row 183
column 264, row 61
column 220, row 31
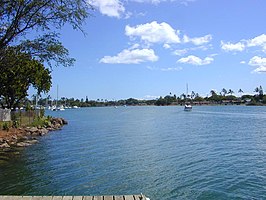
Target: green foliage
column 47, row 48
column 131, row 101
column 167, row 100
column 5, row 126
column 17, row 72
column 19, row 17
column 198, row 98
column 42, row 112
column 28, row 107
column 214, row 97
column 15, row 124
column 41, row 122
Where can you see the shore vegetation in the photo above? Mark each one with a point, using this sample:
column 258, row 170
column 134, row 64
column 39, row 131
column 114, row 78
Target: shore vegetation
column 225, row 97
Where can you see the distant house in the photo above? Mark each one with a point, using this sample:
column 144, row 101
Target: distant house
column 5, row 115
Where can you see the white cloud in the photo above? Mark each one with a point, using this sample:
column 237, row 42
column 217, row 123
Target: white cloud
column 243, row 62
column 194, row 60
column 260, row 69
column 134, row 46
column 171, row 69
column 186, row 2
column 116, row 8
column 134, row 56
column 197, row 40
column 258, row 62
column 111, row 8
column 166, row 46
column 180, row 52
column 232, row 47
column 154, row 33
column 166, row 69
column 257, row 41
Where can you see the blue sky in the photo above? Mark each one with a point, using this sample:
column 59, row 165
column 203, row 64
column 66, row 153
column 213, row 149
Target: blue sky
column 149, row 48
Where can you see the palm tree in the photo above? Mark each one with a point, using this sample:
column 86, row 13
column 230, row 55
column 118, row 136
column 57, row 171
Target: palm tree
column 230, row 92
column 224, row 91
column 213, row 93
column 183, row 96
column 240, row 91
column 260, row 91
column 192, row 95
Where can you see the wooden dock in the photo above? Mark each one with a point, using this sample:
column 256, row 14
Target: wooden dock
column 122, row 197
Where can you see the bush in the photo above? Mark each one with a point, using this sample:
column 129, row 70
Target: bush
column 6, row 126
column 42, row 112
column 15, row 124
column 41, row 121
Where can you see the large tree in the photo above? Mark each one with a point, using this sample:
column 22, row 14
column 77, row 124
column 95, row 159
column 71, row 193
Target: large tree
column 17, row 74
column 19, row 17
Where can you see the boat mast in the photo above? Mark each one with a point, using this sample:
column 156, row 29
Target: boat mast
column 186, row 94
column 56, row 96
column 187, row 91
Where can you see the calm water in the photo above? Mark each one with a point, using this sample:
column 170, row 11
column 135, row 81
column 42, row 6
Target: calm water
column 213, row 152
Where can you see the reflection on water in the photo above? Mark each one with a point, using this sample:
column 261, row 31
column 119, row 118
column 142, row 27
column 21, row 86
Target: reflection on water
column 213, row 152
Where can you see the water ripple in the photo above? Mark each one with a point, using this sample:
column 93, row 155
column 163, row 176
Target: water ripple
column 163, row 152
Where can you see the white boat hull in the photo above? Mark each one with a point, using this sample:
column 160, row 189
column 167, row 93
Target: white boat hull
column 188, row 108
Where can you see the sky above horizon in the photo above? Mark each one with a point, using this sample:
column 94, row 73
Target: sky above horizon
column 148, row 48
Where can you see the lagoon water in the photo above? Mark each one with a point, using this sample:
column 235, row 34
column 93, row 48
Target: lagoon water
column 213, row 152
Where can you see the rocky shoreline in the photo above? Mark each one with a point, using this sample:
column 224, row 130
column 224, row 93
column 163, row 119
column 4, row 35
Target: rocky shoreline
column 26, row 136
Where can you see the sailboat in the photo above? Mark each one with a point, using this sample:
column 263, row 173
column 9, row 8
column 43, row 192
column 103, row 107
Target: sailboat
column 188, row 106
column 56, row 107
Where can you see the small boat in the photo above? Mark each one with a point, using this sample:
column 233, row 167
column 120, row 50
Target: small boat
column 54, row 108
column 188, row 107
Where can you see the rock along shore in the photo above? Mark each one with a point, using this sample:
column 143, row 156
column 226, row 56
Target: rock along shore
column 26, row 136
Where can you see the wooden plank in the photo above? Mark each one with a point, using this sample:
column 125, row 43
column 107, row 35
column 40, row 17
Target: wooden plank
column 67, row 197
column 108, row 197
column 26, row 198
column 78, row 198
column 139, row 197
column 10, row 197
column 126, row 197
column 57, row 197
column 98, row 198
column 37, row 198
column 47, row 198
column 88, row 198
column 129, row 197
column 5, row 198
column 119, row 198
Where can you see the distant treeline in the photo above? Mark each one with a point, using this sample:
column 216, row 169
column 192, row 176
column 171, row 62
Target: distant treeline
column 223, row 98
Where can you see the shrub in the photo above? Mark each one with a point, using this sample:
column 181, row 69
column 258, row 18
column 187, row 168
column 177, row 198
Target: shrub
column 42, row 121
column 15, row 124
column 6, row 126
